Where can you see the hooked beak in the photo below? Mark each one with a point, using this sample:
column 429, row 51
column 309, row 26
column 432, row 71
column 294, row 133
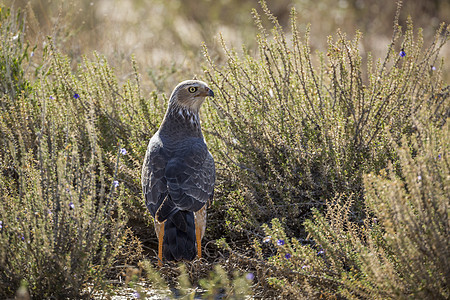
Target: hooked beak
column 210, row 93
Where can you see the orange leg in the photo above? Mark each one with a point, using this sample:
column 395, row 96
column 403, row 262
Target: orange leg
column 200, row 224
column 160, row 244
column 198, row 236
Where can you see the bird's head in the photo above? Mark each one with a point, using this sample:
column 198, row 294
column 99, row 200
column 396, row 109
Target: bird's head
column 190, row 94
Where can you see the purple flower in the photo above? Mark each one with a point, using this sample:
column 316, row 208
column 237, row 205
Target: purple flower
column 51, row 98
column 419, row 178
column 116, row 183
column 267, row 239
column 136, row 295
column 71, row 205
column 1, row 224
column 439, row 156
column 22, row 238
column 287, row 256
column 402, row 53
column 433, row 68
column 321, row 252
column 123, row 151
column 76, row 96
column 280, row 242
column 250, row 276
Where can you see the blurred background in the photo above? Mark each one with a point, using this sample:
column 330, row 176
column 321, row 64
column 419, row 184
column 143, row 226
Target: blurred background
column 165, row 36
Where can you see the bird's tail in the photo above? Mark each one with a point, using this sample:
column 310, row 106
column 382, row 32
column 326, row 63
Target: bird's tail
column 179, row 236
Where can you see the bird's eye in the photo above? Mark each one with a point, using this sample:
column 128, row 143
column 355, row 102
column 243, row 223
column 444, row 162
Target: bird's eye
column 192, row 89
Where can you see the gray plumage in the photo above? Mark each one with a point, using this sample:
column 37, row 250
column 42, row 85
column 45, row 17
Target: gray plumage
column 178, row 173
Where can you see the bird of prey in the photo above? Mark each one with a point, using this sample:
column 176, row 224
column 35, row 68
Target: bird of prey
column 178, row 175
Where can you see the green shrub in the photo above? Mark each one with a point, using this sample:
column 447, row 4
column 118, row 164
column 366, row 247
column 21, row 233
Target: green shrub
column 62, row 216
column 290, row 129
column 13, row 54
column 57, row 233
column 413, row 210
column 399, row 251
